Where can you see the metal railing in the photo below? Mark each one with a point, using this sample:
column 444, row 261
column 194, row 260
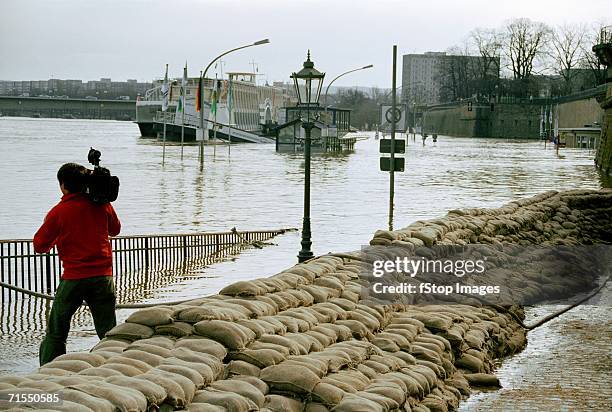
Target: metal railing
column 605, row 35
column 134, row 258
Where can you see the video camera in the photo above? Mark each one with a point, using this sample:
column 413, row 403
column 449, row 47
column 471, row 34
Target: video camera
column 101, row 186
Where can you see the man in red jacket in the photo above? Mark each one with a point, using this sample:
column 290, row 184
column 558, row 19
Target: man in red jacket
column 80, row 229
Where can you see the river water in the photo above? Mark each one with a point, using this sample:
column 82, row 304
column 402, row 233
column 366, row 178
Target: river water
column 252, row 188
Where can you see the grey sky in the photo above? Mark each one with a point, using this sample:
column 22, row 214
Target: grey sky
column 121, row 39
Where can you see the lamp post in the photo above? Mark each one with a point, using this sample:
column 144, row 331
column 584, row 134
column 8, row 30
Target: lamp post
column 369, row 66
column 308, row 83
column 203, row 76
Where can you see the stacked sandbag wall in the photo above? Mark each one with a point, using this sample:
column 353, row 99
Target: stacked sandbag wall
column 308, row 340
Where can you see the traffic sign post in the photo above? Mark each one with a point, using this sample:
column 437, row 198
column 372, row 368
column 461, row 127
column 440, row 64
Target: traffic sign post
column 391, row 113
column 385, row 146
column 385, row 164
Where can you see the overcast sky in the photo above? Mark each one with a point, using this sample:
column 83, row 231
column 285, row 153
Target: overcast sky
column 121, row 39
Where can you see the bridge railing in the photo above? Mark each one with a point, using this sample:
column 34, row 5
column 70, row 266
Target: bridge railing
column 133, row 258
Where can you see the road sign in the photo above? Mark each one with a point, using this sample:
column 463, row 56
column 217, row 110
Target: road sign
column 387, row 114
column 393, row 115
column 385, row 164
column 385, row 146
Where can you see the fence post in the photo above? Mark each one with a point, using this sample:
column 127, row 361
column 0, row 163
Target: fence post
column 48, row 275
column 185, row 250
column 146, row 253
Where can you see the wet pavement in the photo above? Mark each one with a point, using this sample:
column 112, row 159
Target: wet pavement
column 565, row 366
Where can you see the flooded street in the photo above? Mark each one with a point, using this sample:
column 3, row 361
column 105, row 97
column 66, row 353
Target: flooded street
column 565, row 366
column 256, row 188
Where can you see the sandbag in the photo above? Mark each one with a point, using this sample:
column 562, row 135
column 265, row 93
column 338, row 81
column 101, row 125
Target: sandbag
column 161, row 341
column 151, row 316
column 260, row 357
column 188, row 355
column 317, row 366
column 294, row 347
column 94, row 403
column 91, row 358
column 154, row 393
column 204, row 407
column 177, row 329
column 242, row 368
column 207, row 372
column 232, row 402
column 125, row 370
column 327, row 394
column 470, row 362
column 255, row 326
column 203, row 345
column 482, row 379
column 356, row 403
column 243, row 288
column 111, row 343
column 358, row 329
column 68, row 365
column 140, row 345
column 231, row 335
column 387, row 403
column 289, row 379
column 256, row 382
column 122, row 360
column 193, row 375
column 130, row 331
column 279, row 327
column 198, row 313
column 175, row 394
column 266, row 345
column 148, row 358
column 388, row 390
column 101, row 372
column 241, row 388
column 279, row 403
column 42, row 385
column 123, row 398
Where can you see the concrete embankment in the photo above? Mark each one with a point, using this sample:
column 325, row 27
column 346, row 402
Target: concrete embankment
column 309, row 338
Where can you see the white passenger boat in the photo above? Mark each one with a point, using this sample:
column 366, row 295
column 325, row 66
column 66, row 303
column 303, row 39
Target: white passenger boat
column 244, row 111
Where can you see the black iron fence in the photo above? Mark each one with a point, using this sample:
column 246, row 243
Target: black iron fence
column 134, row 257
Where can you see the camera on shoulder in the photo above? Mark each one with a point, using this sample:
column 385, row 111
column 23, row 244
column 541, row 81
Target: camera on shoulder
column 102, row 187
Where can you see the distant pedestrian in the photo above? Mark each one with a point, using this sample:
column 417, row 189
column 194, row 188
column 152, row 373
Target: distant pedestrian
column 80, row 229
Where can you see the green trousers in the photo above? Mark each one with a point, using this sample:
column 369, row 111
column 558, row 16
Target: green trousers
column 99, row 294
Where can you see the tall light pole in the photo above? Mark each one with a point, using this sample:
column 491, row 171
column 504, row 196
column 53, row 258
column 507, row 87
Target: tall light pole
column 308, row 83
column 203, row 76
column 369, row 66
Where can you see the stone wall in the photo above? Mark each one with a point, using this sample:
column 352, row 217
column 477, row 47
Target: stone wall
column 580, row 113
column 504, row 120
column 511, row 120
column 603, row 159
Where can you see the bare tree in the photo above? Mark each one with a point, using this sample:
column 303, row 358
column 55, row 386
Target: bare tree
column 524, row 42
column 488, row 42
column 589, row 59
column 566, row 48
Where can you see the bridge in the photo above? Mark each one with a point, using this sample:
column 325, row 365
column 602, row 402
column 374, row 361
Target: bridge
column 67, row 108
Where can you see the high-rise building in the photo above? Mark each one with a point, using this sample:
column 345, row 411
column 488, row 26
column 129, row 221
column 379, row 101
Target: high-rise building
column 427, row 77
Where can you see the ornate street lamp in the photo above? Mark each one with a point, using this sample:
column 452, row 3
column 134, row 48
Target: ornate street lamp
column 308, row 83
